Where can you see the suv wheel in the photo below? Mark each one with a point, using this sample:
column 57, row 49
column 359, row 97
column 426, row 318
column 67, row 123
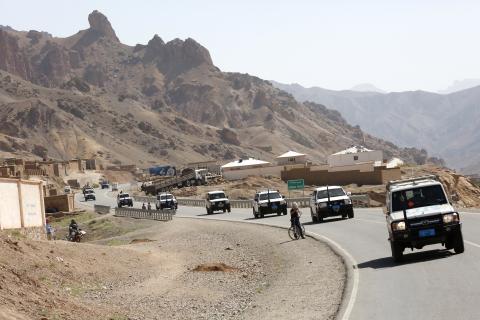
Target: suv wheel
column 285, row 211
column 208, row 211
column 319, row 217
column 255, row 214
column 397, row 251
column 350, row 214
column 458, row 246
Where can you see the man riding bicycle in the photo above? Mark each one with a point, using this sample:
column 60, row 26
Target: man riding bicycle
column 295, row 214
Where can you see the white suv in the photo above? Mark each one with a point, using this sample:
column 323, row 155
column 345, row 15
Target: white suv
column 166, row 201
column 330, row 201
column 419, row 214
column 217, row 201
column 268, row 202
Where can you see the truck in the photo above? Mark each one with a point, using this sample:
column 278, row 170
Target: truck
column 188, row 177
column 419, row 213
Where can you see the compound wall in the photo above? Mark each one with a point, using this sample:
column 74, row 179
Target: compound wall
column 22, row 204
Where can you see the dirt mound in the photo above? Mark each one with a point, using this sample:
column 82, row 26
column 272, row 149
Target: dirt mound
column 214, row 267
column 45, row 280
column 463, row 191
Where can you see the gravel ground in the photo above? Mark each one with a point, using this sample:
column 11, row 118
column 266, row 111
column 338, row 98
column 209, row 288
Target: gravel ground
column 272, row 277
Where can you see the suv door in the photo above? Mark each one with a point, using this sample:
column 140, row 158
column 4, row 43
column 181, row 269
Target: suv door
column 313, row 201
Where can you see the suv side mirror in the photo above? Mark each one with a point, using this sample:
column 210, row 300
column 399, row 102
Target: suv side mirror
column 349, row 193
column 283, row 197
column 385, row 211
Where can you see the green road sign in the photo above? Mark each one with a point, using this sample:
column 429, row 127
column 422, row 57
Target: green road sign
column 296, row 184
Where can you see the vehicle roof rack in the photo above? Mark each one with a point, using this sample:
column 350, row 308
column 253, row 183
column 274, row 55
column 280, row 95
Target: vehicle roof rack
column 414, row 180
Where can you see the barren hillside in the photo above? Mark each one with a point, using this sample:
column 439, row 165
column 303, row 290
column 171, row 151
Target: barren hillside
column 90, row 95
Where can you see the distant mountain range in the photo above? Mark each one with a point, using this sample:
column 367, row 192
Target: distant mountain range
column 444, row 124
column 89, row 95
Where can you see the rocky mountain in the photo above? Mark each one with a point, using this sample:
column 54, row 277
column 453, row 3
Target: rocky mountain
column 89, row 95
column 366, row 87
column 460, row 85
column 445, row 125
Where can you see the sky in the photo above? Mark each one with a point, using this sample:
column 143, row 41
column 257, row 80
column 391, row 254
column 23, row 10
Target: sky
column 395, row 45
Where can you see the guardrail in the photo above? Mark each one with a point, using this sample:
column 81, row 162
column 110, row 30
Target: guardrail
column 101, row 209
column 191, row 202
column 358, row 201
column 145, row 214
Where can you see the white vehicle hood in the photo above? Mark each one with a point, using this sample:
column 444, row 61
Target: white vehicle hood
column 219, row 200
column 170, row 200
column 332, row 199
column 422, row 212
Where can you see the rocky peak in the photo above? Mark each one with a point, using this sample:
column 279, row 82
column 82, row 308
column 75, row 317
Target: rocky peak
column 100, row 24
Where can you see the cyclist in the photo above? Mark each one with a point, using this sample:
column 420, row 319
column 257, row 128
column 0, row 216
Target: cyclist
column 295, row 214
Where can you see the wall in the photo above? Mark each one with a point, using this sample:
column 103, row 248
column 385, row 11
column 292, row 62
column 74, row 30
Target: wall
column 348, row 159
column 237, row 174
column 64, row 202
column 292, row 160
column 321, row 176
column 22, row 204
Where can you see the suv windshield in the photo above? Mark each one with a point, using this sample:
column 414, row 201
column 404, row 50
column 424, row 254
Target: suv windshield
column 271, row 195
column 166, row 197
column 337, row 192
column 213, row 196
column 123, row 195
column 418, row 197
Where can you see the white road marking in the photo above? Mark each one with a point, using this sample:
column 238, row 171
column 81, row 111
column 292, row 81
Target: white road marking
column 356, row 274
column 472, row 243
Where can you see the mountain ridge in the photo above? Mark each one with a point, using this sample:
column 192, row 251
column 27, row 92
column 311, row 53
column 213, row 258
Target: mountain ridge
column 423, row 119
column 89, row 95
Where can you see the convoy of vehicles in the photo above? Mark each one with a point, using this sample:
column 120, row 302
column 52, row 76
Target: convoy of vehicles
column 217, row 201
column 419, row 213
column 166, row 201
column 330, row 201
column 124, row 200
column 268, row 202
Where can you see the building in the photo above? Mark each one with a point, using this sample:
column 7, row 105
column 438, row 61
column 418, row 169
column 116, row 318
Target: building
column 353, row 156
column 243, row 168
column 290, row 158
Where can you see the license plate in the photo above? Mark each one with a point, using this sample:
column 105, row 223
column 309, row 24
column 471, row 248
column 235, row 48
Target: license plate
column 426, row 233
column 274, row 206
column 336, row 207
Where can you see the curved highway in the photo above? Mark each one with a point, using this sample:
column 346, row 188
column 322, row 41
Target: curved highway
column 432, row 283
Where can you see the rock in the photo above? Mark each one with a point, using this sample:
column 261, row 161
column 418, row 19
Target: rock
column 100, row 24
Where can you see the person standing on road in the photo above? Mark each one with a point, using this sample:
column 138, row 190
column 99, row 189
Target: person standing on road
column 143, row 206
column 149, row 206
column 295, row 214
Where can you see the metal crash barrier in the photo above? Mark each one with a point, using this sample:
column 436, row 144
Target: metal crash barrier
column 161, row 215
column 358, row 201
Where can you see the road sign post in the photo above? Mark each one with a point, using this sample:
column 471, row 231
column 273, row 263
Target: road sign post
column 296, row 185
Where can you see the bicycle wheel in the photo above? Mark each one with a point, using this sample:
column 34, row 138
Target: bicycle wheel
column 291, row 233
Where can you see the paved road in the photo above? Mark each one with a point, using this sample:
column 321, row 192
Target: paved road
column 430, row 284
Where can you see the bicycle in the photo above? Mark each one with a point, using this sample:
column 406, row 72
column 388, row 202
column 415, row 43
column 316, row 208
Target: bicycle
column 294, row 233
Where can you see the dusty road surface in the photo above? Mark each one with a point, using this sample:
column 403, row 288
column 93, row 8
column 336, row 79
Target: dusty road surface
column 183, row 269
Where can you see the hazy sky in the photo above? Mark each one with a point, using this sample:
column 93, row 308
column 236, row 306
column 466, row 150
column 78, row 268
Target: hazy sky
column 396, row 45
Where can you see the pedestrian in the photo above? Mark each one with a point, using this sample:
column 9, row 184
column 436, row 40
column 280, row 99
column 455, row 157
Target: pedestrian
column 143, row 206
column 50, row 231
column 149, row 206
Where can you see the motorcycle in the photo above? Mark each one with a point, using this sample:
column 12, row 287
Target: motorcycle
column 77, row 236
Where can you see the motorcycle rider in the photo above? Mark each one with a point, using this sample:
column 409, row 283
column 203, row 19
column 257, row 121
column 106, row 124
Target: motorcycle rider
column 72, row 229
column 295, row 219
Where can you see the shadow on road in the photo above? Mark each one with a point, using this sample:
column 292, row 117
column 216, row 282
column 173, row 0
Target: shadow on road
column 212, row 214
column 265, row 217
column 324, row 221
column 408, row 258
